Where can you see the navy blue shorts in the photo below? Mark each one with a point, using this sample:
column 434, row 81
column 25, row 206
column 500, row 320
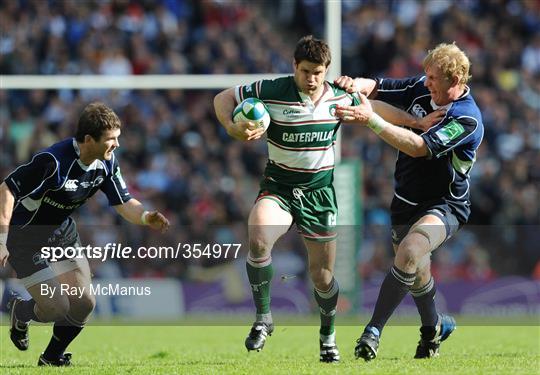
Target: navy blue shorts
column 24, row 245
column 404, row 215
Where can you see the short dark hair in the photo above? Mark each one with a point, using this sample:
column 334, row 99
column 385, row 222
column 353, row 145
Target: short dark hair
column 94, row 120
column 313, row 50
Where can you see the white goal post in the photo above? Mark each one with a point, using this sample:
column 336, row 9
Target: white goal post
column 130, row 82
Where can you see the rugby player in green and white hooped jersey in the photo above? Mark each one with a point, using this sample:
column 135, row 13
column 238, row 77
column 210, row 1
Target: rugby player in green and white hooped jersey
column 297, row 185
column 302, row 133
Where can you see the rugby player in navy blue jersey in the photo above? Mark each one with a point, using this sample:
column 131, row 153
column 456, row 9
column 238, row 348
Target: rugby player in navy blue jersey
column 431, row 199
column 36, row 201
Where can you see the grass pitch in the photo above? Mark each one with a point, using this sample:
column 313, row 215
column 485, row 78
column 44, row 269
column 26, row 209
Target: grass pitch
column 290, row 350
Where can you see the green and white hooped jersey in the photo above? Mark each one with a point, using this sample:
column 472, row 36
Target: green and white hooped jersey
column 301, row 136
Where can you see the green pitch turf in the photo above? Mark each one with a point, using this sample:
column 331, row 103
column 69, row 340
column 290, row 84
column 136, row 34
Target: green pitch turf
column 290, row 350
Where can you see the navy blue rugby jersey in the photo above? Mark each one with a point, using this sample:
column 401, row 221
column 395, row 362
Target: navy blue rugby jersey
column 55, row 182
column 452, row 145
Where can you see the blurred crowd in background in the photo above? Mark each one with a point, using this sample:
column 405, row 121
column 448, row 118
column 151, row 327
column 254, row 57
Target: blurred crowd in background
column 176, row 157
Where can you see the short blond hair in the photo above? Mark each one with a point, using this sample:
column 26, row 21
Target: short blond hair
column 451, row 60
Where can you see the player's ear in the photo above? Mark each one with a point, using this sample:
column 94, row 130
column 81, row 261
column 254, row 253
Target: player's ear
column 455, row 80
column 88, row 138
column 294, row 65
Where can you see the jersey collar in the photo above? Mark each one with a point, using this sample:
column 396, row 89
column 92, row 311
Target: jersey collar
column 435, row 106
column 327, row 93
column 76, row 147
column 465, row 93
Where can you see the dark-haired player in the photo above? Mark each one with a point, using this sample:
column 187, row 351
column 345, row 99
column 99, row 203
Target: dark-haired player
column 36, row 201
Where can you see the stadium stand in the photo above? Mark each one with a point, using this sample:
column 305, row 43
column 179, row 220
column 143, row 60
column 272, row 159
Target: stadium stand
column 176, row 156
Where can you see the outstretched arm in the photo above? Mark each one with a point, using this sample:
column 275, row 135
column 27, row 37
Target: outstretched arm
column 394, row 115
column 398, row 117
column 400, row 138
column 366, row 86
column 134, row 212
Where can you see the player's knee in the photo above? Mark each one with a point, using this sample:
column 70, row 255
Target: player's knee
column 422, row 277
column 408, row 255
column 259, row 246
column 53, row 309
column 321, row 277
column 83, row 307
column 424, row 265
column 423, row 270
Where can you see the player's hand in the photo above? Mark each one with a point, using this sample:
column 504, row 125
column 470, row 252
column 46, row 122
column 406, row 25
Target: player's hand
column 428, row 121
column 156, row 220
column 245, row 131
column 346, row 83
column 360, row 85
column 4, row 255
column 360, row 113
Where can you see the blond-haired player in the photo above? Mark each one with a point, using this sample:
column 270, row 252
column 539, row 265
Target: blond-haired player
column 431, row 199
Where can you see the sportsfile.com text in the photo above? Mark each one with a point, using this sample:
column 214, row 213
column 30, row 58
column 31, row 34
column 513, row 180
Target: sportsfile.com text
column 118, row 251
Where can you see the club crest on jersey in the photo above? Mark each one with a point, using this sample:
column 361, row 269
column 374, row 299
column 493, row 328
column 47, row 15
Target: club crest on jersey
column 332, row 110
column 418, row 110
column 450, row 131
column 71, row 185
